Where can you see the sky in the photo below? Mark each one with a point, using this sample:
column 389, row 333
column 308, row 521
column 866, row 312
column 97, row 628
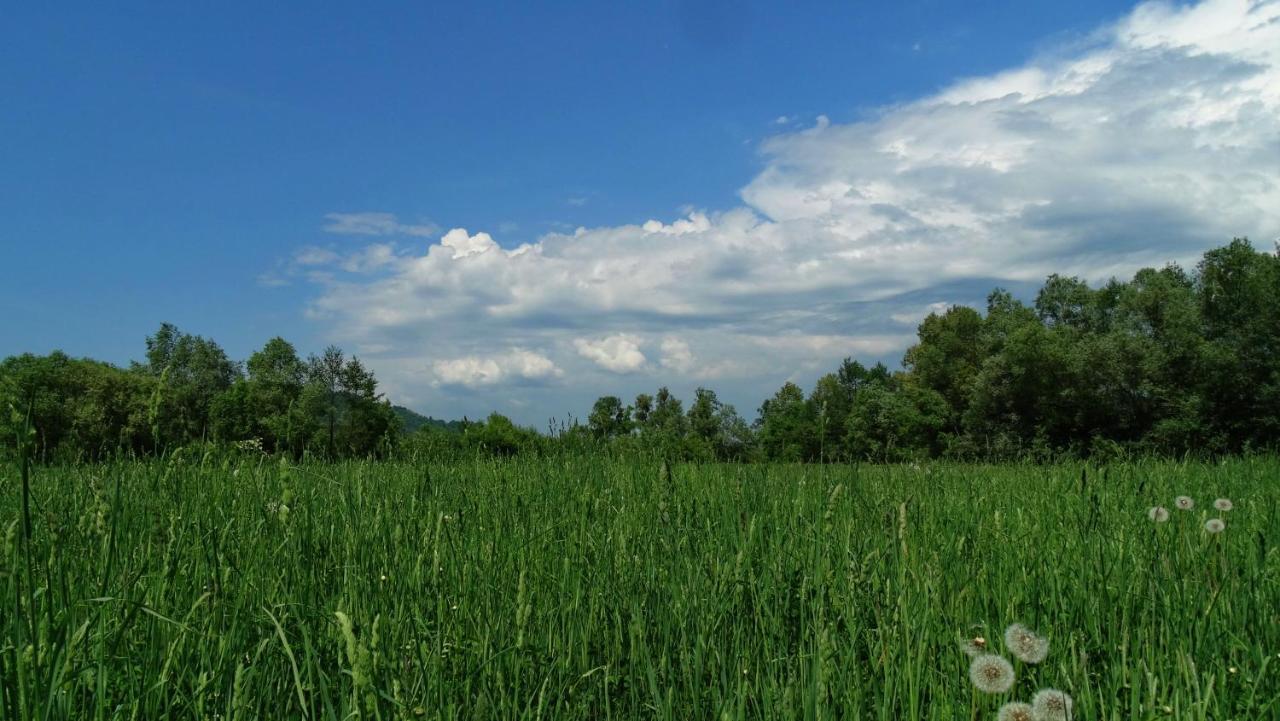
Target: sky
column 521, row 207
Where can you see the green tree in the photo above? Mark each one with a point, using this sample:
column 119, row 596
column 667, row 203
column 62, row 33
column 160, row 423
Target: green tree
column 716, row 431
column 895, row 421
column 192, row 370
column 947, row 357
column 342, row 412
column 609, row 418
column 787, row 426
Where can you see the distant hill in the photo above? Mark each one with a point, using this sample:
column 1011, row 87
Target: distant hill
column 411, row 421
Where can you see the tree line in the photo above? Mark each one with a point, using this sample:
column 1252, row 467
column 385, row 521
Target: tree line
column 1170, row 362
column 189, row 392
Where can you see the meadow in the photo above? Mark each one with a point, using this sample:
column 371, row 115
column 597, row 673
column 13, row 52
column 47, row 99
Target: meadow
column 240, row 587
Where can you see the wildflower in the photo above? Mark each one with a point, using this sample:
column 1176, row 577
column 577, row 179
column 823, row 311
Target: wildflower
column 973, row 647
column 1016, row 711
column 1050, row 704
column 1025, row 644
column 1223, row 504
column 991, row 674
column 1214, row 525
column 1184, row 503
column 1159, row 514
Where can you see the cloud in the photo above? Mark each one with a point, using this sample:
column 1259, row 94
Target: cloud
column 1152, row 141
column 464, row 245
column 912, row 316
column 477, row 371
column 311, row 255
column 618, row 353
column 676, row 355
column 375, row 224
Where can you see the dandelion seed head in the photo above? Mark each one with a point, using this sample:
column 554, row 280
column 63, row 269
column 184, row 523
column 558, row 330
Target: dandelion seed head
column 1050, row 704
column 1184, row 503
column 1016, row 711
column 1223, row 504
column 1159, row 514
column 1215, row 525
column 1024, row 643
column 991, row 673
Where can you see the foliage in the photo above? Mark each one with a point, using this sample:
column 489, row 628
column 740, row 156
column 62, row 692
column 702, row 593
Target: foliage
column 189, row 393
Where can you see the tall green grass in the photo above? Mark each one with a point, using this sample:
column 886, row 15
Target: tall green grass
column 585, row 589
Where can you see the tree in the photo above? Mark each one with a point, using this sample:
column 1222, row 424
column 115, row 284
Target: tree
column 276, row 377
column 643, row 407
column 948, row 356
column 341, row 409
column 191, row 370
column 1239, row 291
column 787, row 426
column 609, row 418
column 79, row 408
column 716, row 431
column 895, row 421
column 498, row 436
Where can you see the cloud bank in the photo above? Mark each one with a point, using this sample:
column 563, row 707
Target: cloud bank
column 1153, row 140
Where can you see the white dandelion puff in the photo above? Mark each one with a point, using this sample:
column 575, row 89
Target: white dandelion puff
column 1159, row 514
column 1024, row 643
column 1050, row 704
column 1215, row 525
column 991, row 674
column 1184, row 503
column 1016, row 711
column 1223, row 504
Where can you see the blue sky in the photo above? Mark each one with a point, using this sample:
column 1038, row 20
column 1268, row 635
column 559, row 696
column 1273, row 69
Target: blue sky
column 247, row 171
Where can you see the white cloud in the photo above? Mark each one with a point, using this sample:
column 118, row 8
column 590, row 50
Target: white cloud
column 912, row 316
column 375, row 224
column 476, row 371
column 618, row 353
column 465, row 245
column 370, row 258
column 311, row 255
column 1151, row 143
column 676, row 355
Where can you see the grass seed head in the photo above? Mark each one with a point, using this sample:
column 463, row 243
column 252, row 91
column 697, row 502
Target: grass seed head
column 991, row 674
column 1025, row 644
column 1050, row 704
column 1215, row 525
column 1184, row 503
column 1159, row 514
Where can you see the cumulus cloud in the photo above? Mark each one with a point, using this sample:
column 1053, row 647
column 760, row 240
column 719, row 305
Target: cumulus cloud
column 676, row 355
column 476, row 371
column 375, row 224
column 1153, row 141
column 618, row 353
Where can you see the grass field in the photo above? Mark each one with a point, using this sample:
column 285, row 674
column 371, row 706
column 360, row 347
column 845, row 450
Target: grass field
column 584, row 589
